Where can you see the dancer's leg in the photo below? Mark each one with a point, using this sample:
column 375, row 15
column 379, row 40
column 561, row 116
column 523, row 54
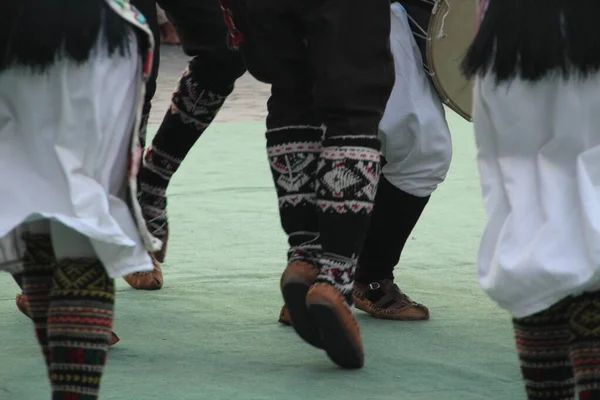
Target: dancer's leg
column 543, row 348
column 200, row 94
column 80, row 316
column 417, row 149
column 353, row 80
column 37, row 284
column 294, row 138
column 584, row 346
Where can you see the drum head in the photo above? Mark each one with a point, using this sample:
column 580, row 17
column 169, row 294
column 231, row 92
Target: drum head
column 451, row 31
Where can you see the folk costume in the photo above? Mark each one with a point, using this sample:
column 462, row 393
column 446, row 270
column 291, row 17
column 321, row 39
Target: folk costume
column 536, row 125
column 416, row 151
column 201, row 91
column 331, row 74
column 68, row 216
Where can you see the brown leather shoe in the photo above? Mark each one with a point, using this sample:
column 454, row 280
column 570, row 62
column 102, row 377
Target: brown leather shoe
column 384, row 300
column 23, row 305
column 392, row 305
column 338, row 328
column 295, row 283
column 284, row 316
column 152, row 280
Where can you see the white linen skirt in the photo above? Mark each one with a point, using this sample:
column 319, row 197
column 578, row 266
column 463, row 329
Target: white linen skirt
column 539, row 162
column 65, row 141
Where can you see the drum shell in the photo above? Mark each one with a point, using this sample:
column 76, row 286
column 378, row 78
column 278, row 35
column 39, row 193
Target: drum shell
column 449, row 82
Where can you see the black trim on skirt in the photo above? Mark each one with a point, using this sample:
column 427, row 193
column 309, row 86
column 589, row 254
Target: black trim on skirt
column 531, row 40
column 37, row 33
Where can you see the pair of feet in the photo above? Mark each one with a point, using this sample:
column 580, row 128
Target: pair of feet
column 381, row 299
column 323, row 316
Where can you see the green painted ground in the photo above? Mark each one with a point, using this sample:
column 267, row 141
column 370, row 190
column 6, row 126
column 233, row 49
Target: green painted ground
column 212, row 332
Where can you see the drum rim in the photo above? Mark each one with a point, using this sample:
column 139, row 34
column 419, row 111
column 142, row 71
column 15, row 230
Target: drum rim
column 467, row 115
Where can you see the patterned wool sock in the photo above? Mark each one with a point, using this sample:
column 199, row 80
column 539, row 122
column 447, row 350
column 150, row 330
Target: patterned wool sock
column 584, row 348
column 338, row 272
column 293, row 153
column 143, row 132
column 79, row 328
column 193, row 108
column 309, row 251
column 347, row 177
column 37, row 283
column 543, row 349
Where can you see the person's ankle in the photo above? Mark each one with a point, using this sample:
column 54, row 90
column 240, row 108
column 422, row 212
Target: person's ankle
column 338, row 272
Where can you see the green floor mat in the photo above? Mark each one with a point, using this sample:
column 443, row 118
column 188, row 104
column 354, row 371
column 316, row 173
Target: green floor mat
column 212, row 332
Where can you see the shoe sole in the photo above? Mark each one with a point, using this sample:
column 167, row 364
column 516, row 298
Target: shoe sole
column 339, row 332
column 295, row 283
column 23, row 306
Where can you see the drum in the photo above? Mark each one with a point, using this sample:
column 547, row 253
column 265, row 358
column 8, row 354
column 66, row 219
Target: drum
column 444, row 29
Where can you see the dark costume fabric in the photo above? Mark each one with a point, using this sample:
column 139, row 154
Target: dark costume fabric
column 203, row 88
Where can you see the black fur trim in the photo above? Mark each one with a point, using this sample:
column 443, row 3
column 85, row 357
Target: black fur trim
column 37, row 33
column 531, row 40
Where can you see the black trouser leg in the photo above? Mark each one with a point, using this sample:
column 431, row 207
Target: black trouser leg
column 395, row 215
column 201, row 91
column 148, row 9
column 345, row 77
